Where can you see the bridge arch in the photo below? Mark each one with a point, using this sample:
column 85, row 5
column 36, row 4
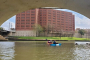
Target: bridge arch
column 9, row 8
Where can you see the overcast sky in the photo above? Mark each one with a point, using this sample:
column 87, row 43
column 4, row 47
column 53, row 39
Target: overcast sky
column 80, row 21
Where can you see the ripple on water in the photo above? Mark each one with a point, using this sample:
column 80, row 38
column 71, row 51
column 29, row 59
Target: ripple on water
column 7, row 50
column 41, row 51
column 82, row 52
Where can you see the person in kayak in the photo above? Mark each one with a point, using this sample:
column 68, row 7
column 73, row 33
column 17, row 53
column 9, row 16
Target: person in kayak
column 49, row 42
column 54, row 42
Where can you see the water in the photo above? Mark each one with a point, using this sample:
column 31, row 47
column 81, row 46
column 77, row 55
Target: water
column 31, row 50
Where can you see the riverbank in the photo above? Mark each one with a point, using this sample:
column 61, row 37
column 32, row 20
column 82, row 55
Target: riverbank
column 47, row 38
column 52, row 38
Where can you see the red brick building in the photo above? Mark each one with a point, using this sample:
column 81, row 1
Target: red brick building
column 56, row 19
column 26, row 20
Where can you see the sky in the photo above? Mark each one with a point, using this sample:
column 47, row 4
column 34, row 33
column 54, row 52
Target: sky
column 80, row 21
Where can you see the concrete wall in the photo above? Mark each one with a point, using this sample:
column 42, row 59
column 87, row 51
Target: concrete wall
column 33, row 33
column 2, row 38
column 23, row 33
column 54, row 34
column 77, row 35
column 83, row 36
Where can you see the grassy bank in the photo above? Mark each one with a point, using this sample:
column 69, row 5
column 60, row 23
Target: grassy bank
column 53, row 38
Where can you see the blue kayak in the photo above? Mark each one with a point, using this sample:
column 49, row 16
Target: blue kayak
column 55, row 44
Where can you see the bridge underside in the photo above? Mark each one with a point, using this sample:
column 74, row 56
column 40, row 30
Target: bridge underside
column 9, row 8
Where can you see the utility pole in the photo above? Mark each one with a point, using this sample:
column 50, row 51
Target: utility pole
column 9, row 25
column 87, row 34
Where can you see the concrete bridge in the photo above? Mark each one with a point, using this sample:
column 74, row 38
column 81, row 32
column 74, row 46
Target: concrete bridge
column 9, row 8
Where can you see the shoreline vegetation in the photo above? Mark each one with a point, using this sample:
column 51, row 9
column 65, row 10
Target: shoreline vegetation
column 51, row 38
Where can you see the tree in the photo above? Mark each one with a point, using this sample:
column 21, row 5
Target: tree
column 44, row 30
column 38, row 29
column 1, row 28
column 81, row 32
column 49, row 29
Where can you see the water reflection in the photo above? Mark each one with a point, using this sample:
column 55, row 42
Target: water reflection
column 31, row 50
column 7, row 50
column 41, row 51
column 81, row 43
column 82, row 51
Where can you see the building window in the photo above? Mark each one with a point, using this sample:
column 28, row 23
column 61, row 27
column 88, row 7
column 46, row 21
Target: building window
column 27, row 20
column 18, row 14
column 62, row 13
column 58, row 21
column 28, row 12
column 17, row 26
column 32, row 14
column 44, row 12
column 32, row 17
column 49, row 13
column 66, row 29
column 18, row 20
column 54, row 14
column 32, row 11
column 40, row 22
column 22, row 14
column 49, row 17
column 32, row 23
column 41, row 13
column 22, row 23
column 53, row 18
column 58, row 12
column 18, row 17
column 32, row 20
column 49, row 20
column 27, row 23
column 53, row 11
column 22, row 26
column 27, row 26
column 23, row 20
column 27, row 17
column 22, row 17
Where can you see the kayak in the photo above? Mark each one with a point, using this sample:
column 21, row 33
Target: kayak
column 59, row 44
column 49, row 43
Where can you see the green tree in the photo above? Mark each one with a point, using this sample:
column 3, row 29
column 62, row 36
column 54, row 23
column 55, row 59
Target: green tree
column 44, row 30
column 1, row 28
column 81, row 32
column 38, row 29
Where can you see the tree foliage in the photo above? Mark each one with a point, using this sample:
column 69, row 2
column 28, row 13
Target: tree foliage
column 1, row 28
column 81, row 31
column 38, row 28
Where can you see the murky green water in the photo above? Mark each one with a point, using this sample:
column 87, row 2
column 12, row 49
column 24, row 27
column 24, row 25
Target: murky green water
column 31, row 50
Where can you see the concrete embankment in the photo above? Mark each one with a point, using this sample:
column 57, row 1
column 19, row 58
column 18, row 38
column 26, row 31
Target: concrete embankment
column 3, row 38
column 15, row 39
